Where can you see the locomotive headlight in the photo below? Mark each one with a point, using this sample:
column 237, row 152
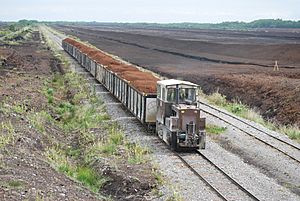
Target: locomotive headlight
column 182, row 111
column 196, row 111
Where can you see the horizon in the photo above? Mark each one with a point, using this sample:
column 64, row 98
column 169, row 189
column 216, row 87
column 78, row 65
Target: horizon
column 78, row 21
column 134, row 11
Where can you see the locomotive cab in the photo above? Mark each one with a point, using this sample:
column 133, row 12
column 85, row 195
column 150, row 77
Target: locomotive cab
column 178, row 120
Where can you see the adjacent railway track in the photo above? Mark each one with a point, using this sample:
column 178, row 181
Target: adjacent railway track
column 284, row 146
column 225, row 187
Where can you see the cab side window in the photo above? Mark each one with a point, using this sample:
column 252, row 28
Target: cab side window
column 159, row 91
column 171, row 95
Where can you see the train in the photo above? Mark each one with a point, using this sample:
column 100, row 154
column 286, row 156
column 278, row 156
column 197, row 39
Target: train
column 168, row 107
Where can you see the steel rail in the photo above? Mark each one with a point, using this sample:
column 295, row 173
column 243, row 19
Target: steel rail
column 248, row 124
column 246, row 132
column 219, row 194
column 227, row 176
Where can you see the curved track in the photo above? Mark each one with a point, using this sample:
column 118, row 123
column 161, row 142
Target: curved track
column 285, row 146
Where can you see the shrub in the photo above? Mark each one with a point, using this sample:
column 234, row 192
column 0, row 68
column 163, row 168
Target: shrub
column 217, row 99
column 292, row 131
column 50, row 95
column 90, row 178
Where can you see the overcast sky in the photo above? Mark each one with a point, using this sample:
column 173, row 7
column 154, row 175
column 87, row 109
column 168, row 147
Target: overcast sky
column 149, row 11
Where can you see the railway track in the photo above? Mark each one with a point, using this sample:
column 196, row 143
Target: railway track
column 225, row 187
column 54, row 37
column 284, row 146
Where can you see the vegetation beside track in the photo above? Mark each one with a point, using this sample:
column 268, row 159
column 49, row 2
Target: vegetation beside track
column 214, row 129
column 244, row 111
column 16, row 33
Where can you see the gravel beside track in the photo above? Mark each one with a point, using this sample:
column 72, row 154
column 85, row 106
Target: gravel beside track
column 230, row 188
column 182, row 179
column 262, row 186
column 216, row 178
column 267, row 160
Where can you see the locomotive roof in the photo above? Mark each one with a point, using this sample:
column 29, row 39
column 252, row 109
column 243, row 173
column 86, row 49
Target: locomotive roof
column 173, row 82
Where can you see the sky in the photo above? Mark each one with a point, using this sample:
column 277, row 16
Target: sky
column 160, row 11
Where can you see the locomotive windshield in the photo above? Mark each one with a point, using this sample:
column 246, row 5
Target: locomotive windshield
column 185, row 94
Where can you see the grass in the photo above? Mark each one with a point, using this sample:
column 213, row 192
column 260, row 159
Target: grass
column 20, row 108
column 15, row 183
column 7, row 132
column 4, row 107
column 67, row 169
column 239, row 109
column 116, row 136
column 158, row 175
column 12, row 184
column 90, row 178
column 76, row 111
column 108, row 148
column 217, row 99
column 213, row 129
column 84, row 174
column 39, row 119
column 136, row 153
column 71, row 100
column 15, row 107
column 79, row 117
column 175, row 196
column 292, row 131
column 110, row 145
column 114, row 144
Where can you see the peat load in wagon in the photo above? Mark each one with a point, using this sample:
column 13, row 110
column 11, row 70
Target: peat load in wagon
column 142, row 81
